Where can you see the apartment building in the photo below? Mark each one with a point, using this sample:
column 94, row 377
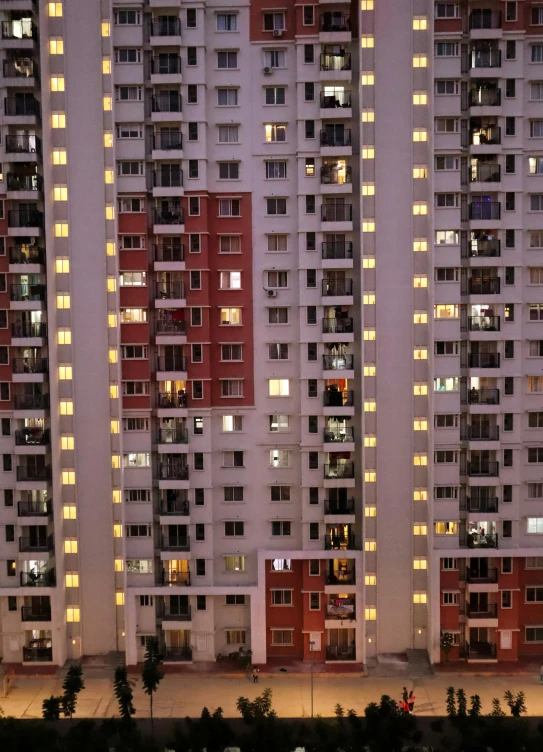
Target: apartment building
column 265, row 382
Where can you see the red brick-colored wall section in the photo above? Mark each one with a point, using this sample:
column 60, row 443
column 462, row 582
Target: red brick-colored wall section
column 524, row 11
column 314, row 621
column 450, row 615
column 529, row 614
column 285, row 617
column 448, row 26
column 508, row 618
column 257, row 32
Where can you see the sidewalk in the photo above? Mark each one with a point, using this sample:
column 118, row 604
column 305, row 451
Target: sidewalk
column 227, row 670
column 522, row 667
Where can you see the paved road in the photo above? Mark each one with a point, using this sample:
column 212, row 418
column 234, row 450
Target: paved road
column 182, row 695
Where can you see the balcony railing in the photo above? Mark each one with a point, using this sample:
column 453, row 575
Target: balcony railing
column 178, row 507
column 26, row 293
column 337, row 213
column 175, row 578
column 487, row 210
column 482, row 577
column 337, row 249
column 339, row 542
column 479, row 611
column 35, row 613
column 485, row 19
column 170, row 290
column 484, row 396
column 341, row 577
column 481, row 248
column 166, row 103
column 485, row 172
column 336, row 137
column 335, row 61
column 173, row 435
column 335, row 653
column 339, row 471
column 33, row 474
column 484, row 286
column 15, row 144
column 170, row 400
column 338, row 399
column 31, row 545
column 38, row 579
column 332, row 99
column 483, row 360
column 489, row 505
column 485, row 97
column 29, row 254
column 171, row 363
column 31, row 437
column 167, row 326
column 337, row 326
column 172, row 215
column 169, row 253
column 345, row 506
column 489, row 136
column 483, row 323
column 177, row 654
column 37, row 655
column 167, row 140
column 485, row 468
column 335, row 22
column 175, row 543
column 339, row 436
column 24, row 67
column 20, row 29
column 164, row 66
column 169, row 26
column 483, row 432
column 337, row 287
column 478, row 650
column 337, row 362
column 16, row 182
column 182, row 614
column 336, row 175
column 485, row 58
column 168, row 178
column 21, row 107
column 28, row 329
column 29, row 365
column 31, row 401
column 25, row 218
column 34, row 508
column 173, row 472
column 478, row 540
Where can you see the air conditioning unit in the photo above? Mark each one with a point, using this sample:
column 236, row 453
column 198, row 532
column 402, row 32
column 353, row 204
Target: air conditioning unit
column 271, row 293
column 278, row 32
column 267, row 70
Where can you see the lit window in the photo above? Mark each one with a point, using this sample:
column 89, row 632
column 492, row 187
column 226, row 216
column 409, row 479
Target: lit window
column 370, row 545
column 368, row 226
column 65, row 373
column 69, row 512
column 420, row 424
column 420, row 494
column 119, row 565
column 420, row 134
column 110, row 249
column 370, row 511
column 368, row 262
column 420, row 460
column 108, row 139
column 106, row 66
column 420, row 317
column 370, row 406
column 59, row 156
column 420, row 245
column 420, row 208
column 56, row 47
column 368, row 116
column 445, row 528
column 367, row 42
column 67, row 443
column 66, row 407
column 68, row 477
column 106, row 29
column 113, row 355
column 369, row 298
column 278, row 387
column 64, row 337
column 368, row 189
column 111, row 284
column 108, row 104
column 420, row 97
column 419, row 597
column 110, row 212
column 370, row 614
column 61, row 229
column 420, row 172
column 420, row 23
column 57, row 83
column 370, row 476
column 420, row 562
column 369, row 335
column 370, row 370
column 117, row 531
column 368, row 79
column 73, row 614
column 109, row 176
column 58, row 120
column 112, row 320
column 62, row 266
column 370, row 579
column 368, row 152
column 119, row 598
column 420, row 281
column 370, row 441
column 113, row 391
column 115, row 426
column 420, row 61
column 54, row 9
column 367, row 5
column 70, row 546
column 72, row 579
column 419, row 528
column 115, row 461
column 116, row 496
column 420, row 389
column 63, row 301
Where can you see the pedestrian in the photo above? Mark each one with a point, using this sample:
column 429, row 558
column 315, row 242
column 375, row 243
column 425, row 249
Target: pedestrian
column 541, row 673
column 403, row 706
column 404, row 694
column 255, row 675
column 411, row 701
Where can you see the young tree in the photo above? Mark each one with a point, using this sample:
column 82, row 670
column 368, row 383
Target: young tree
column 516, row 703
column 497, row 711
column 72, row 685
column 151, row 675
column 447, row 644
column 475, row 710
column 259, row 708
column 451, row 702
column 124, row 694
column 51, row 708
column 461, row 703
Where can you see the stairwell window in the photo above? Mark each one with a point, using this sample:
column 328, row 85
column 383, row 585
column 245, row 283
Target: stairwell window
column 278, row 387
column 445, row 528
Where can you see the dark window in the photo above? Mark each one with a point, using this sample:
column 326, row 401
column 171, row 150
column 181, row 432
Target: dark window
column 309, row 15
column 199, row 497
column 507, row 494
column 7, row 463
column 509, row 348
column 12, row 603
column 310, row 241
column 310, row 129
column 313, row 495
column 193, row 169
column 191, row 18
column 10, row 533
column 194, row 202
column 201, row 604
column 194, row 243
column 510, row 88
column 508, row 458
column 509, row 126
column 313, row 531
column 507, row 528
column 198, row 460
column 196, row 353
column 510, row 163
column 508, row 422
column 196, row 317
column 309, row 91
column 310, row 204
column 8, row 497
column 6, row 427
column 312, row 351
column 313, row 460
column 507, row 565
column 192, row 94
column 5, row 393
column 192, row 56
column 313, row 423
column 312, row 388
column 510, row 201
column 509, row 238
column 200, row 531
column 193, row 131
column 200, row 567
column 509, row 387
column 311, row 278
column 312, row 314
column 195, row 280
column 197, row 389
column 510, row 47
column 309, row 53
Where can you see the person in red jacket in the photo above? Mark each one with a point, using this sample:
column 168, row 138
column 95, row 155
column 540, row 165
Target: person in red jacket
column 411, row 701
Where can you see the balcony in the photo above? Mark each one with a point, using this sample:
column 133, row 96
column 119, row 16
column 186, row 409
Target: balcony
column 169, row 176
column 335, row 22
column 481, row 18
column 171, row 363
column 339, row 542
column 167, row 141
column 336, row 137
column 168, row 326
column 35, row 613
column 177, row 654
column 336, row 175
column 168, row 253
column 36, row 545
column 478, row 651
column 489, row 135
column 335, row 653
column 28, row 330
column 483, row 360
column 175, row 543
column 336, row 398
column 337, row 213
column 485, row 58
column 19, row 29
column 26, row 254
column 166, row 102
column 182, row 614
column 173, row 472
column 482, row 432
column 332, row 99
column 337, row 287
column 484, row 396
column 169, row 400
column 25, row 218
column 482, row 469
column 32, row 437
column 23, row 67
column 335, row 61
column 481, row 248
column 337, row 249
column 483, row 323
column 165, row 65
column 171, row 214
column 173, row 436
column 21, row 144
column 31, row 401
column 16, row 107
column 38, row 579
column 484, row 210
column 26, row 474
column 170, row 291
column 176, row 507
column 27, row 293
column 337, row 362
column 341, row 609
column 483, row 286
column 37, row 655
column 341, row 577
column 339, row 472
column 24, row 183
column 175, row 578
column 482, row 611
column 478, row 540
column 476, row 504
column 167, row 26
column 478, row 577
column 29, row 365
column 339, row 506
column 34, row 508
column 339, row 436
column 485, row 172
column 337, row 326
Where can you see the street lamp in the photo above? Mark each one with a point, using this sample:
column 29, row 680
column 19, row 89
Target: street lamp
column 311, row 648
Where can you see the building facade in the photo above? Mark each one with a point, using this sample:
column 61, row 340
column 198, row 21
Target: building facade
column 269, row 329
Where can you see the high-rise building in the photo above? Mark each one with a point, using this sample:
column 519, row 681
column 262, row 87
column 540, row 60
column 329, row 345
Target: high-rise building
column 269, row 329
